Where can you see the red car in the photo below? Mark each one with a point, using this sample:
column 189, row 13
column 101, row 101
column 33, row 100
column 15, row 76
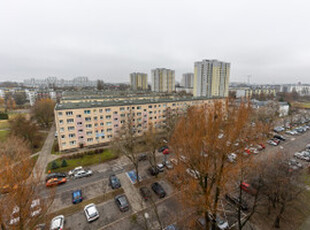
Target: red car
column 262, row 145
column 248, row 188
column 55, row 181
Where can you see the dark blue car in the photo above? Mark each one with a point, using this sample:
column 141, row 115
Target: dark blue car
column 77, row 196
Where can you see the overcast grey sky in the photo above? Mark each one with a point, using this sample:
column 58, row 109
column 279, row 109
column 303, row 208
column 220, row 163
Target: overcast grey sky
column 108, row 39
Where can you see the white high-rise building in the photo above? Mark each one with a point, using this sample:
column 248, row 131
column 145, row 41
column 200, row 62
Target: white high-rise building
column 211, row 78
column 163, row 80
column 138, row 81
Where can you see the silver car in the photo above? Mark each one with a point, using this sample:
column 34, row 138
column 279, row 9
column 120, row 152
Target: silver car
column 83, row 173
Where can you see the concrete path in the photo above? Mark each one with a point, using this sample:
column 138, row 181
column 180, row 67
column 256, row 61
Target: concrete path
column 45, row 155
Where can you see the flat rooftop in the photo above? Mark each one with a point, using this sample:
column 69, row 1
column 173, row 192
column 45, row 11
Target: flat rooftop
column 95, row 104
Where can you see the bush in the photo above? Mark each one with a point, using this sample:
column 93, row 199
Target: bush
column 64, row 163
column 4, row 116
column 55, row 165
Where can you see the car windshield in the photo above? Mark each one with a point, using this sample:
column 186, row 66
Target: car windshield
column 91, row 211
column 76, row 194
column 122, row 200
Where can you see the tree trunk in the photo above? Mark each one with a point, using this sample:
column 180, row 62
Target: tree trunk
column 278, row 218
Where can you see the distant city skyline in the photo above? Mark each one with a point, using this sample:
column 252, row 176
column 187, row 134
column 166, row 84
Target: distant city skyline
column 108, row 40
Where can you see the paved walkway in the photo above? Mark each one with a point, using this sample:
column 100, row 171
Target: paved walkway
column 45, row 155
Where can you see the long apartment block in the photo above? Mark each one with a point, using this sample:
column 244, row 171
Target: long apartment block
column 97, row 122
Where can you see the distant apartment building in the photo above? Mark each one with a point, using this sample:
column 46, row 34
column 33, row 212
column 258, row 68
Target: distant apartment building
column 301, row 89
column 138, row 81
column 211, row 78
column 55, row 82
column 163, row 80
column 249, row 92
column 187, row 80
column 96, row 122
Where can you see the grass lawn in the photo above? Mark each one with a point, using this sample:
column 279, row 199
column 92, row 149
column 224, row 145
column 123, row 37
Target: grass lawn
column 4, row 124
column 43, row 137
column 3, row 135
column 53, row 148
column 86, row 160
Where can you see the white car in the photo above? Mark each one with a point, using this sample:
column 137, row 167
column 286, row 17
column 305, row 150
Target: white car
column 160, row 167
column 58, row 223
column 91, row 212
column 75, row 170
column 168, row 164
column 35, row 208
column 232, row 157
column 83, row 173
column 193, row 173
column 290, row 132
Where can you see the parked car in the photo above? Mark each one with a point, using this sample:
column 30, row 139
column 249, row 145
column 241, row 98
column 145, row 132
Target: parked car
column 55, row 175
column 142, row 157
column 75, row 170
column 290, row 132
column 183, row 158
column 168, row 164
column 58, row 223
column 294, row 164
column 220, row 223
column 174, row 161
column 276, row 140
column 153, row 171
column 232, row 157
column 280, row 137
column 193, row 173
column 122, row 202
column 55, row 181
column 272, row 142
column 114, row 182
column 248, row 188
column 83, row 173
column 91, row 212
column 159, row 190
column 161, row 149
column 77, row 196
column 171, row 227
column 160, row 167
column 236, row 201
column 145, row 193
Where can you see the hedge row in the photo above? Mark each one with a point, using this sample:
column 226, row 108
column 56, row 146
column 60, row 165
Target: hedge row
column 80, row 155
column 4, row 116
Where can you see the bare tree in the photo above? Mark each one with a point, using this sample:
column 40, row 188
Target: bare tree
column 43, row 112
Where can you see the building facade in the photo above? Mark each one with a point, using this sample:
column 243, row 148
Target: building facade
column 163, row 80
column 96, row 123
column 211, row 78
column 187, row 80
column 138, row 81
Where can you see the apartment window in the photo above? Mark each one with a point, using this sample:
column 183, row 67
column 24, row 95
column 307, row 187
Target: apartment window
column 122, row 115
column 150, row 106
column 72, row 142
column 144, row 110
column 70, row 128
column 109, row 123
column 63, row 143
column 62, row 129
column 100, row 110
column 61, row 122
column 139, row 114
column 101, row 124
column 155, row 106
column 71, row 135
column 95, row 118
column 109, row 130
column 96, row 124
column 89, row 139
column 139, row 119
column 88, row 126
column 121, row 109
column 115, row 126
column 80, row 131
column 116, row 119
column 69, row 121
column 63, row 137
column 132, row 107
column 164, row 105
column 79, row 123
column 86, row 111
column 89, row 133
column 108, row 117
column 122, row 121
column 102, row 130
column 69, row 113
column 79, row 116
column 107, row 110
column 95, row 111
column 138, row 107
column 115, row 112
column 159, row 106
column 102, row 137
column 109, row 136
column 128, row 108
column 87, row 118
column 101, row 117
column 59, row 113
column 97, row 131
column 173, row 104
column 150, row 112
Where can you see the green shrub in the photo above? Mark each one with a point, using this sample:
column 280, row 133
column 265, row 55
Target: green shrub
column 55, row 165
column 64, row 163
column 4, row 116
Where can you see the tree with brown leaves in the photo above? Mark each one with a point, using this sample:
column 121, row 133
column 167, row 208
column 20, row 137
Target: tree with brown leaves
column 43, row 112
column 22, row 205
column 203, row 140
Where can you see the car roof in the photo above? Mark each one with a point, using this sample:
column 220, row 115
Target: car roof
column 76, row 193
column 57, row 221
column 122, row 199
